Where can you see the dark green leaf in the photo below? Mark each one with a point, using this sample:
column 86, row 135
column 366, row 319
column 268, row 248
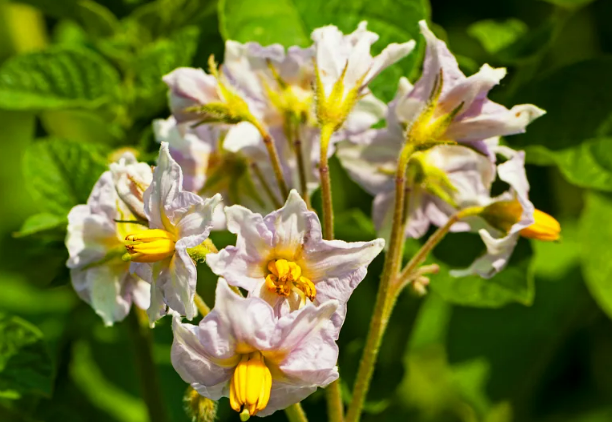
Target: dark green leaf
column 596, row 238
column 496, row 35
column 163, row 17
column 25, row 364
column 59, row 77
column 95, row 18
column 513, row 284
column 61, row 174
column 578, row 101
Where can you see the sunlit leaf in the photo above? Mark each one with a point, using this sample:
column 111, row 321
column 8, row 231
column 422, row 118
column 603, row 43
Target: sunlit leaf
column 59, row 77
column 25, row 364
column 60, row 174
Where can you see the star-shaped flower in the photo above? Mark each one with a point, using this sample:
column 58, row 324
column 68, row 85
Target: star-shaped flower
column 283, row 259
column 241, row 350
column 178, row 220
column 95, row 244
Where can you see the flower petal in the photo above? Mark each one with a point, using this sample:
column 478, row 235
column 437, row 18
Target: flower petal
column 243, row 265
column 192, row 362
column 494, row 260
column 189, row 87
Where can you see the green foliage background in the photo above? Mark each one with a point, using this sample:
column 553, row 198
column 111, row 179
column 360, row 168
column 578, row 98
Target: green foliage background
column 81, row 78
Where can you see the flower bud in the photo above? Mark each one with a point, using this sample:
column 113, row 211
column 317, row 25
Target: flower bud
column 199, row 408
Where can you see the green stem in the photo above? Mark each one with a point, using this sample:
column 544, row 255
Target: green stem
column 264, row 184
column 145, row 366
column 335, row 408
column 203, row 308
column 295, row 413
column 379, row 321
column 299, row 156
column 274, row 159
column 326, row 191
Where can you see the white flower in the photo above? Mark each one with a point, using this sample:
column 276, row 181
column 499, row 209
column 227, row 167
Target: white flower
column 95, row 244
column 178, row 220
column 241, row 350
column 283, row 259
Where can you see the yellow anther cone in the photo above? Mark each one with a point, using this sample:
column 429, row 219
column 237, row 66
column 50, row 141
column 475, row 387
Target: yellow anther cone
column 150, row 245
column 251, row 385
column 544, row 228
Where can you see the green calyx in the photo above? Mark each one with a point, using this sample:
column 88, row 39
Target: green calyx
column 198, row 253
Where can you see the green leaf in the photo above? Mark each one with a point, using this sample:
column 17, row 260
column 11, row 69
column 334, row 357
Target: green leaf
column 61, row 174
column 587, row 165
column 263, row 21
column 291, row 22
column 25, row 364
column 96, row 19
column 513, row 284
column 496, row 35
column 158, row 59
column 578, row 101
column 163, row 17
column 570, row 4
column 42, row 222
column 596, row 238
column 59, row 77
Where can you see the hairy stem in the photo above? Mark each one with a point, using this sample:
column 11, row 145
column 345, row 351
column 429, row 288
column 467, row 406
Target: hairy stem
column 274, row 158
column 145, row 366
column 295, row 413
column 264, row 184
column 299, row 156
column 203, row 308
column 326, row 192
column 335, row 408
column 379, row 321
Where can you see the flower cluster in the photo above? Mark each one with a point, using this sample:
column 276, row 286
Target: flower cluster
column 255, row 133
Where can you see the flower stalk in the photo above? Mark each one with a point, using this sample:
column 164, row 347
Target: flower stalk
column 264, row 184
column 299, row 156
column 145, row 366
column 295, row 413
column 203, row 308
column 380, row 318
column 274, row 158
column 326, row 190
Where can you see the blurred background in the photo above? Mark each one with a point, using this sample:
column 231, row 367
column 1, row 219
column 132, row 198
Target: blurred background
column 81, row 78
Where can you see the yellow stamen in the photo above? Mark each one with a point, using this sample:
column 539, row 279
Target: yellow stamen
column 544, row 228
column 250, row 385
column 286, row 275
column 150, row 245
column 504, row 214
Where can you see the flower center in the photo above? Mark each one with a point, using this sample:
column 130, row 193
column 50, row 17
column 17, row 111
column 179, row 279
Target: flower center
column 150, row 245
column 286, row 276
column 250, row 385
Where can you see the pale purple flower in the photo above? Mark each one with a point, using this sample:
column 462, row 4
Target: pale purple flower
column 95, row 245
column 131, row 179
column 249, row 69
column 500, row 243
column 190, row 147
column 298, row 349
column 477, row 118
column 372, row 164
column 337, row 53
column 178, row 220
column 283, row 259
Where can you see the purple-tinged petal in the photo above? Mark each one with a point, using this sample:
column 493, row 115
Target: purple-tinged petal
column 193, row 363
column 502, row 123
column 284, row 395
column 494, row 260
column 190, row 87
column 243, row 265
column 289, row 224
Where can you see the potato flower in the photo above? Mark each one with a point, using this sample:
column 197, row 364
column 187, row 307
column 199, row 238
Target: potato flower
column 178, row 220
column 283, row 259
column 241, row 350
column 95, row 245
